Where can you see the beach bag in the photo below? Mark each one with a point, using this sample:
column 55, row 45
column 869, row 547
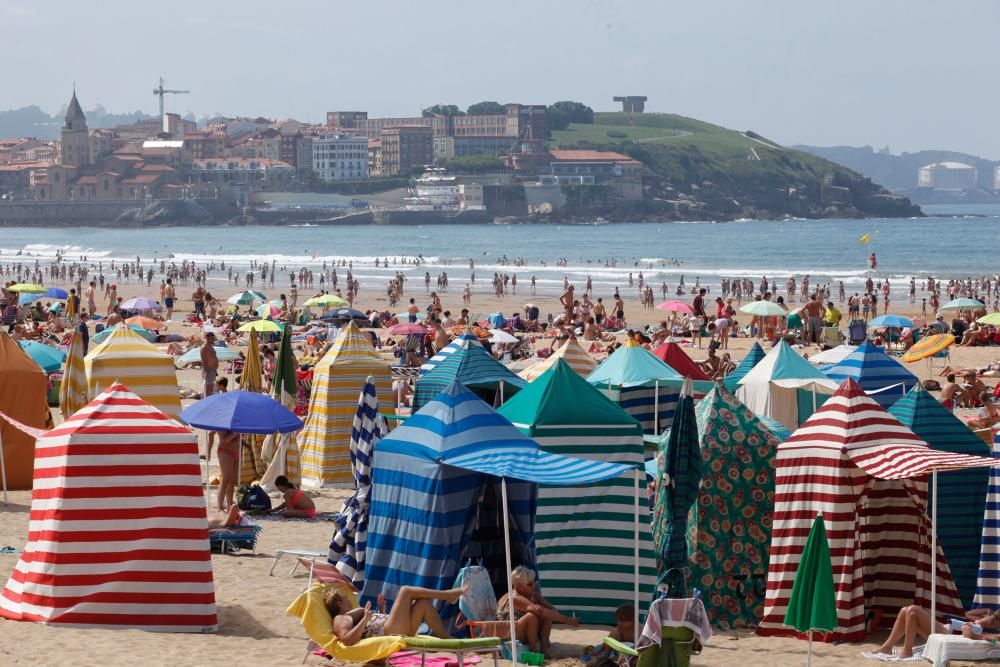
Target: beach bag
column 253, row 499
column 479, row 602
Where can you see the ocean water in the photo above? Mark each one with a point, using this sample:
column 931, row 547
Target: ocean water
column 953, row 241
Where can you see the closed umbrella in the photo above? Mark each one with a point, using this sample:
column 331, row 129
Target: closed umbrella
column 675, row 306
column 763, row 309
column 347, row 549
column 813, row 605
column 928, row 347
column 677, row 485
column 260, row 325
column 73, row 390
column 963, row 304
column 251, row 446
column 326, row 301
column 241, row 412
column 49, row 358
column 890, row 320
column 283, row 450
column 141, row 303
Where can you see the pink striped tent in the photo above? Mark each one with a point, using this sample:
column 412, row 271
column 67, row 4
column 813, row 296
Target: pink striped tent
column 118, row 529
column 855, row 463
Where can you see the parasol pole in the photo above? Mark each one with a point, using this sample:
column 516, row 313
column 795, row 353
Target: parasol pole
column 3, row 470
column 809, row 654
column 934, row 499
column 635, row 555
column 510, row 570
column 656, row 408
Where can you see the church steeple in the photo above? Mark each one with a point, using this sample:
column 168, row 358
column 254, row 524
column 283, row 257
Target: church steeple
column 74, row 141
column 74, row 113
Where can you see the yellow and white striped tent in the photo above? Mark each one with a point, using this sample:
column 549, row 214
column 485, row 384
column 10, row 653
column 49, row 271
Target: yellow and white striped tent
column 127, row 357
column 572, row 353
column 337, row 382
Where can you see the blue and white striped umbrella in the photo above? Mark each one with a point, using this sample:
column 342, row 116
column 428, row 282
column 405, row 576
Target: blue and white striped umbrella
column 347, row 549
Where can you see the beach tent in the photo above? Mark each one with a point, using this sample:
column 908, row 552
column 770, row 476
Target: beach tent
column 337, row 381
column 961, row 493
column 731, row 520
column 127, row 357
column 988, row 581
column 881, row 376
column 640, row 384
column 572, row 353
column 458, row 343
column 855, row 463
column 672, row 355
column 475, row 368
column 118, row 533
column 784, row 387
column 73, row 390
column 753, row 358
column 585, row 536
column 24, row 397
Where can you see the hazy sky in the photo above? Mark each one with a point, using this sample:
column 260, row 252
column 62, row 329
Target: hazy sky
column 912, row 74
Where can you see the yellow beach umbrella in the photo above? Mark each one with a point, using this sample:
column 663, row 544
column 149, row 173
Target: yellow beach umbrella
column 251, row 463
column 73, row 390
column 260, row 325
column 28, row 288
column 327, row 301
column 992, row 318
column 928, row 347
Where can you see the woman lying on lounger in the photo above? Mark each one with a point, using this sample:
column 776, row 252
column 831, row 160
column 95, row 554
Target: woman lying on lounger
column 411, row 608
column 913, row 622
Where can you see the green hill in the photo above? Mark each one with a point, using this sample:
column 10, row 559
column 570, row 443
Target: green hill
column 732, row 173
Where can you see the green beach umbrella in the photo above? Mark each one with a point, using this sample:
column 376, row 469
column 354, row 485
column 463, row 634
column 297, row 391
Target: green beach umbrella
column 284, row 386
column 326, row 301
column 963, row 304
column 763, row 308
column 992, row 318
column 813, row 603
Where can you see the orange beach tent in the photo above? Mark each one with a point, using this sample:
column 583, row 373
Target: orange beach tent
column 23, row 396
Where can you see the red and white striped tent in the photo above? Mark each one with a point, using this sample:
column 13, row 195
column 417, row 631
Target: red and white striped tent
column 859, row 466
column 118, row 529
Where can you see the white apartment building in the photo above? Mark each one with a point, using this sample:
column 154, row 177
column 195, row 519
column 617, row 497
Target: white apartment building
column 340, row 157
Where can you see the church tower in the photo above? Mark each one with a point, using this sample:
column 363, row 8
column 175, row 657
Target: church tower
column 75, row 142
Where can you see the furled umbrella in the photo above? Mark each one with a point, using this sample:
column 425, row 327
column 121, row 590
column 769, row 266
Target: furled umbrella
column 282, row 451
column 49, row 358
column 73, row 390
column 677, row 485
column 347, row 549
column 813, row 605
column 251, row 446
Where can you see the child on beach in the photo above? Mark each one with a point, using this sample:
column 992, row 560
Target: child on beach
column 624, row 631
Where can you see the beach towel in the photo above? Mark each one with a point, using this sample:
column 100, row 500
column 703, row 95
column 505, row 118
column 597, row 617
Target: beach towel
column 320, row 516
column 415, row 659
column 918, row 655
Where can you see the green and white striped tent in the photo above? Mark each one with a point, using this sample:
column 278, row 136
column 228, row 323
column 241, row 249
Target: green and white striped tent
column 585, row 536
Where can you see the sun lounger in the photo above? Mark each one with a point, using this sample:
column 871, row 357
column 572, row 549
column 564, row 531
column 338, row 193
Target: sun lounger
column 234, row 538
column 303, row 553
column 941, row 649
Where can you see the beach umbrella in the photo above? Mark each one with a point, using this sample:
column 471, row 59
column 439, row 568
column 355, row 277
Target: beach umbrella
column 55, row 293
column 251, row 446
column 149, row 336
column 28, row 288
column 407, row 328
column 250, row 378
column 194, row 355
column 284, row 386
column 890, row 320
column 963, row 304
column 347, row 549
column 813, row 605
column 405, row 317
column 326, row 301
column 992, row 318
column 499, row 336
column 763, row 309
column 246, row 298
column 49, row 358
column 141, row 303
column 241, row 412
column 145, row 322
column 73, row 390
column 345, row 314
column 675, row 306
column 677, row 485
column 28, row 299
column 260, row 325
column 267, row 310
column 928, row 347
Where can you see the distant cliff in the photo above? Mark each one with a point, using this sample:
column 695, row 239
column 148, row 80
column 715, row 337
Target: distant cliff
column 697, row 170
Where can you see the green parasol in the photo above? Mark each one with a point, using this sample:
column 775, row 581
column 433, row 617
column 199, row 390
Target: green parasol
column 813, row 604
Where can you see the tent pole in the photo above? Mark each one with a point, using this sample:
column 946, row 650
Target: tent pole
column 3, row 470
column 635, row 555
column 934, row 499
column 501, row 392
column 656, row 408
column 510, row 583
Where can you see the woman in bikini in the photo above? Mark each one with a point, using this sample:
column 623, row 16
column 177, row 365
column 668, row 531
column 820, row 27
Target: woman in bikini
column 297, row 503
column 533, row 614
column 412, row 608
column 229, row 467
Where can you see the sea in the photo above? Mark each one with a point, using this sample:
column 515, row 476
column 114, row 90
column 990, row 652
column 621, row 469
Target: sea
column 954, row 241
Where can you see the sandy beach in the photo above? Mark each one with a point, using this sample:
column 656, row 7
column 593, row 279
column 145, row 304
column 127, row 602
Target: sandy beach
column 252, row 622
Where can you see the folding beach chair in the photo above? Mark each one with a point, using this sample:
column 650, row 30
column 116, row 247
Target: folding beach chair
column 857, row 332
column 830, row 337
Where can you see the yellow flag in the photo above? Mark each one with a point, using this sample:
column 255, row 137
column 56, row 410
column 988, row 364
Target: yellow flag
column 866, row 239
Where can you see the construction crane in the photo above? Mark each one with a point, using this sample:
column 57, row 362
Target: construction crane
column 161, row 91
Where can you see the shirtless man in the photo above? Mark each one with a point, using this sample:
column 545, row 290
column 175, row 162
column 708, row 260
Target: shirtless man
column 92, row 298
column 169, row 295
column 813, row 317
column 209, row 364
column 950, row 393
column 567, row 303
column 199, row 301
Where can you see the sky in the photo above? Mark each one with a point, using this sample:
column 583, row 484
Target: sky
column 913, row 75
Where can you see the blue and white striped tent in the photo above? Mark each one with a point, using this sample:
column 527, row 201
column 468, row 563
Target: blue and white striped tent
column 988, row 583
column 434, row 493
column 454, row 346
column 961, row 493
column 475, row 368
column 882, row 377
